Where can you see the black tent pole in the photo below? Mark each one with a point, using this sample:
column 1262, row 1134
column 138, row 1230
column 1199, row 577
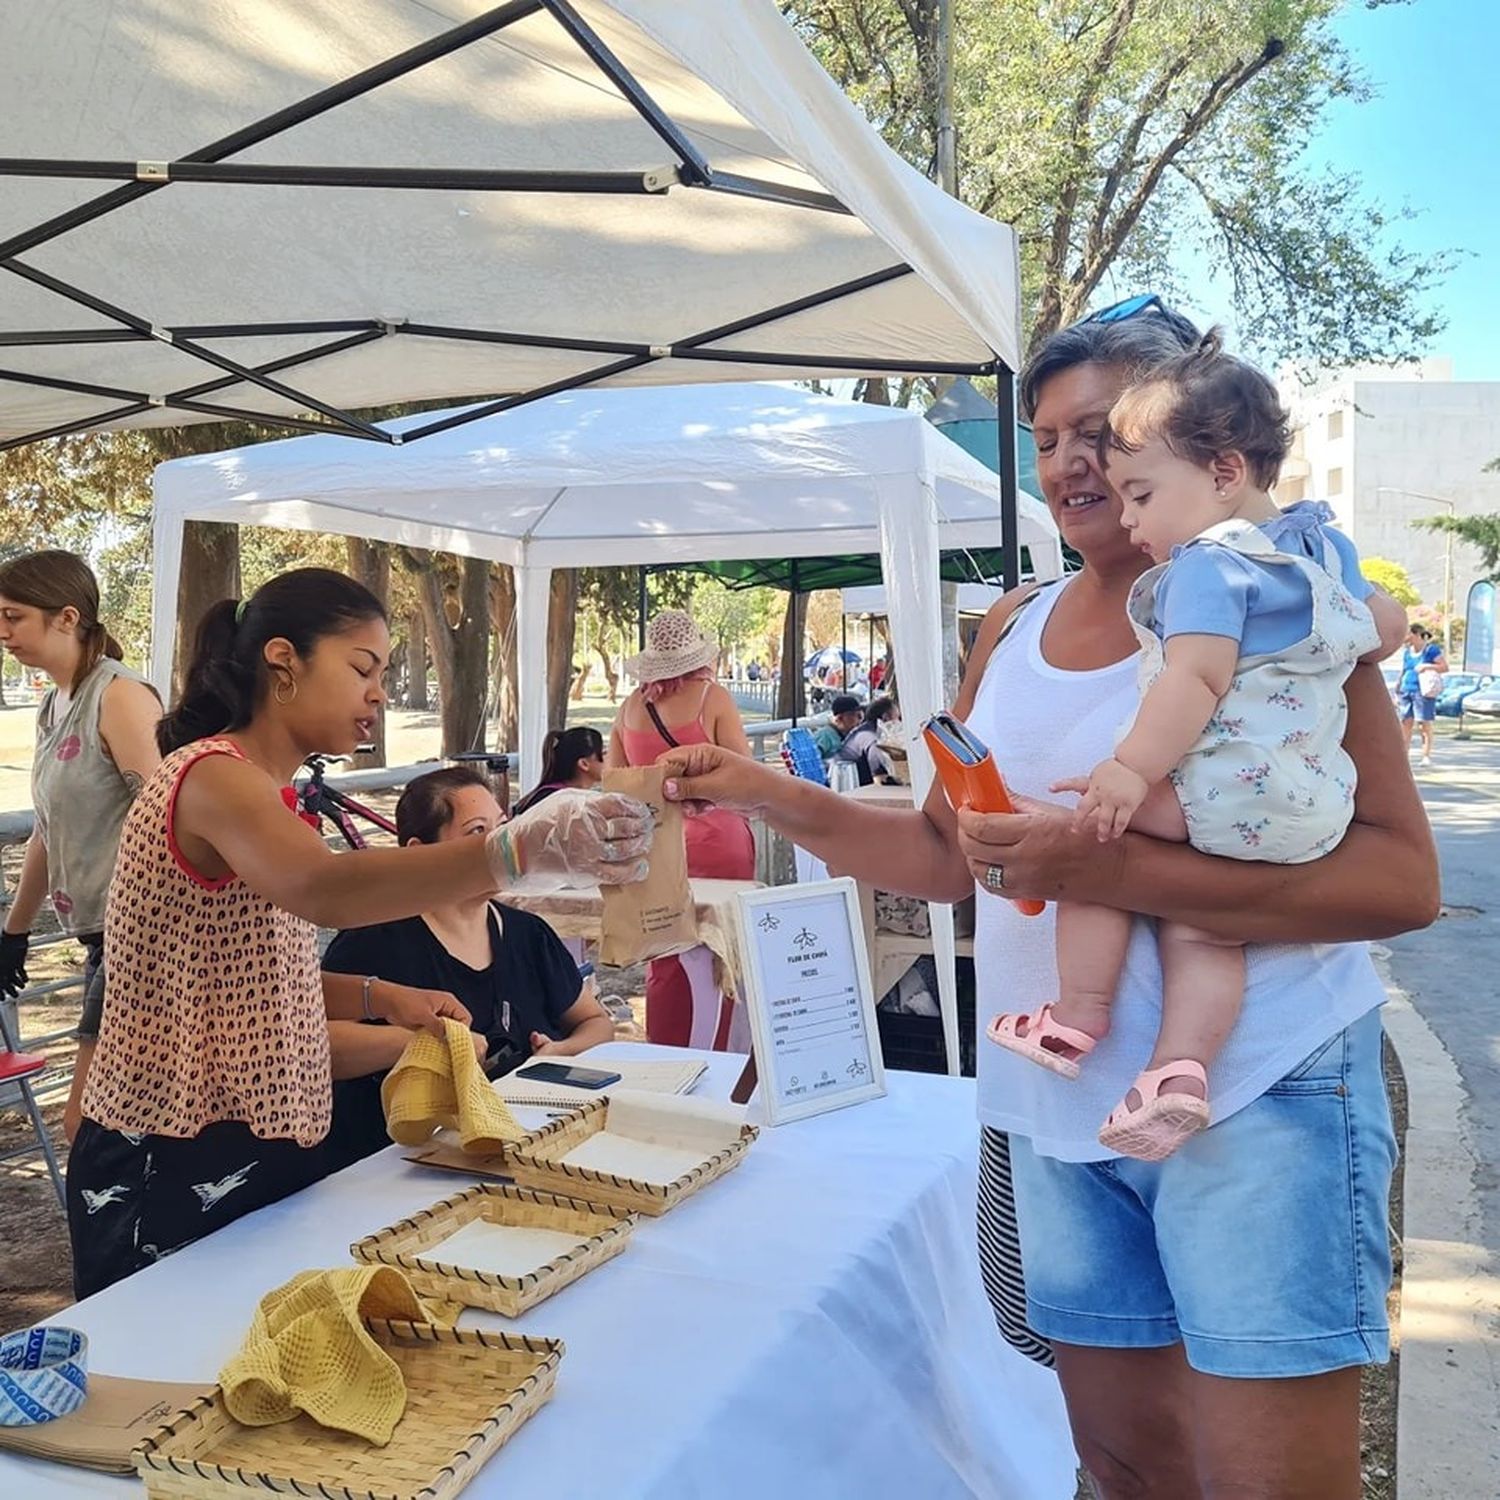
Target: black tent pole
column 795, row 665
column 643, row 605
column 1005, row 416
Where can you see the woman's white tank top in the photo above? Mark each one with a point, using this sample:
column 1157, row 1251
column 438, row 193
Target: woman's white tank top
column 1043, row 725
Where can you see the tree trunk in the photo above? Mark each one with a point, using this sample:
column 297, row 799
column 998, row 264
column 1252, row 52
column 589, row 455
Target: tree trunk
column 369, row 563
column 610, row 675
column 506, row 670
column 791, row 694
column 456, row 616
column 416, row 662
column 562, row 624
column 210, row 572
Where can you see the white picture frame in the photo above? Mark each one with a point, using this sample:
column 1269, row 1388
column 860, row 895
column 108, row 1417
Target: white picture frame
column 810, row 999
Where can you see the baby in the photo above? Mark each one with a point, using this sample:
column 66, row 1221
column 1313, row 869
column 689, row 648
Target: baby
column 1249, row 625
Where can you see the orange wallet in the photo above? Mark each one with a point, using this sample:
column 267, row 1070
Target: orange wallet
column 970, row 776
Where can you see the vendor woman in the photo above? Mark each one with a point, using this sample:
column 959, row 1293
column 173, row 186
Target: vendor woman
column 210, row 1092
column 507, row 968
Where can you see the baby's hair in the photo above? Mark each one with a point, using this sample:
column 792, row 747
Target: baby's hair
column 1203, row 404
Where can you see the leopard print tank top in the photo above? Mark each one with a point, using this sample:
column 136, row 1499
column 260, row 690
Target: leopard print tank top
column 213, row 1003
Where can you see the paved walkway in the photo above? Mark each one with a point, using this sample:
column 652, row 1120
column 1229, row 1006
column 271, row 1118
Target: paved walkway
column 1445, row 1022
column 1452, row 970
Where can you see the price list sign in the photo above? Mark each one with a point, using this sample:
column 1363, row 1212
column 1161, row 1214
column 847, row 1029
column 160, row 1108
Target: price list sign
column 812, row 1008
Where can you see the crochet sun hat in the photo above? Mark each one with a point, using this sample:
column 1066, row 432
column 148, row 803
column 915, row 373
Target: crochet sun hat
column 674, row 647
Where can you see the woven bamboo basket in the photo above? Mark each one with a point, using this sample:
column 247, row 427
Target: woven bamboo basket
column 466, row 1393
column 536, row 1162
column 415, row 1246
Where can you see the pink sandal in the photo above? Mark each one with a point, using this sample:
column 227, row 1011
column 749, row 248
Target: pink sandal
column 1160, row 1123
column 1040, row 1028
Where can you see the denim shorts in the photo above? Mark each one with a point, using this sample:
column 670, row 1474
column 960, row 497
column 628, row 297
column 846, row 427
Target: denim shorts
column 1261, row 1245
column 1415, row 705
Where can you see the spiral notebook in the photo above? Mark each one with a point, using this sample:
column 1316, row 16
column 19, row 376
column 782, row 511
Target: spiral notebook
column 647, row 1077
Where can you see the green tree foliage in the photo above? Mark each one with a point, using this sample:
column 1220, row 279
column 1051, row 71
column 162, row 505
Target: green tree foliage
column 1391, row 577
column 1482, row 532
column 1126, row 138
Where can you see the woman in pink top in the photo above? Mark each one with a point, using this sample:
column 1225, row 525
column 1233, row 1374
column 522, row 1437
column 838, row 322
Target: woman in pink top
column 679, row 703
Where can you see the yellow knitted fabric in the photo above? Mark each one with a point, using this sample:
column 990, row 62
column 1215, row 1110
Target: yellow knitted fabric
column 307, row 1350
column 440, row 1083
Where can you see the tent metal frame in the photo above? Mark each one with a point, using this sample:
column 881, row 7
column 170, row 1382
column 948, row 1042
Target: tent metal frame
column 210, row 164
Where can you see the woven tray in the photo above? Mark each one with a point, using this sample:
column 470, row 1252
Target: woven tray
column 537, row 1162
column 415, row 1245
column 466, row 1393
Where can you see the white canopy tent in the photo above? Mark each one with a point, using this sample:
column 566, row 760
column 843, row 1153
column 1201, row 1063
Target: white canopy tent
column 628, row 477
column 312, row 207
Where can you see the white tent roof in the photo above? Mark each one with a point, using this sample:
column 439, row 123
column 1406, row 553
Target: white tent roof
column 618, row 477
column 742, row 219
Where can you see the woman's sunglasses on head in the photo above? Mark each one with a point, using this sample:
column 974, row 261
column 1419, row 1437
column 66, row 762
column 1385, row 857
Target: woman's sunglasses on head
column 1118, row 312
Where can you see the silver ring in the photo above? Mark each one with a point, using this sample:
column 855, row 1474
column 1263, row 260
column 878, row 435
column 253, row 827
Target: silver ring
column 994, row 878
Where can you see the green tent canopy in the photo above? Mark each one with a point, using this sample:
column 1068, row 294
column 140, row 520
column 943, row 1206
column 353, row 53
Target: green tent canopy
column 803, row 574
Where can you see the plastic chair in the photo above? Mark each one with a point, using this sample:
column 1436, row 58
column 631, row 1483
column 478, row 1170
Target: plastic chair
column 19, row 1068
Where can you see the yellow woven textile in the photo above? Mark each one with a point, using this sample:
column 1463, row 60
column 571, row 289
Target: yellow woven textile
column 308, row 1351
column 440, row 1083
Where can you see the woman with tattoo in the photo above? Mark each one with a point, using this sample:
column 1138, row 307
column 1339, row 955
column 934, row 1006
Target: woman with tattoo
column 95, row 747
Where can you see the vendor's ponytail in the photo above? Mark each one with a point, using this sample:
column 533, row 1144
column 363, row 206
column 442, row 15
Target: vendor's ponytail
column 228, row 676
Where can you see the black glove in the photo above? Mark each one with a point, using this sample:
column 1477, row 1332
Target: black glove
column 13, row 946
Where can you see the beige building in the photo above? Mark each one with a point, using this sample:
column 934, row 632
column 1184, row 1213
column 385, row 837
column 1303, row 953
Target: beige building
column 1389, row 445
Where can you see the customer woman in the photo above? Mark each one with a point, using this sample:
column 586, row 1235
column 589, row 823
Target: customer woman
column 507, row 968
column 1208, row 1313
column 679, row 703
column 570, row 758
column 210, row 1088
column 95, row 748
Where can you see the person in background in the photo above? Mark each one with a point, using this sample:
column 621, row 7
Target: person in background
column 570, row 758
column 878, row 674
column 753, row 671
column 507, row 968
column 679, row 703
column 1422, row 667
column 210, row 1092
column 847, row 713
column 861, row 746
column 95, row 748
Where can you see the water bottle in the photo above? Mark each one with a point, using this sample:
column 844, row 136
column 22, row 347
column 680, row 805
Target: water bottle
column 800, row 752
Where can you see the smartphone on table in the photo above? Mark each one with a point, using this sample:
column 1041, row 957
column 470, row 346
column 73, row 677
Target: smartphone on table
column 573, row 1077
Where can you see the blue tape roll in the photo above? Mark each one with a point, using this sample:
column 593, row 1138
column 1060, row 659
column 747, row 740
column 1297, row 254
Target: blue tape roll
column 43, row 1375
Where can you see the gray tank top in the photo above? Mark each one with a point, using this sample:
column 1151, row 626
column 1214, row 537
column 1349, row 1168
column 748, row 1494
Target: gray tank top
column 80, row 798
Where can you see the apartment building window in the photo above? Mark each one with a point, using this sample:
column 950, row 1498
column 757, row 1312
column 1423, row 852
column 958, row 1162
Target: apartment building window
column 1335, row 484
column 1335, row 425
column 1290, row 491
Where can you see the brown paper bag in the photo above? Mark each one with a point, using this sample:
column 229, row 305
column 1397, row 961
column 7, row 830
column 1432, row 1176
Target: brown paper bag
column 653, row 916
column 116, row 1415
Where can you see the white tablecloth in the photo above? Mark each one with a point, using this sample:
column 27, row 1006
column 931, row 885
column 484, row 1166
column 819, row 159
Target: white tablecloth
column 811, row 1325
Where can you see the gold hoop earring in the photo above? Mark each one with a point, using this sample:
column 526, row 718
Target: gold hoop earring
column 282, row 682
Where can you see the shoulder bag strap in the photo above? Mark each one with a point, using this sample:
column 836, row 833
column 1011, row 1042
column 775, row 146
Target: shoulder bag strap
column 656, row 719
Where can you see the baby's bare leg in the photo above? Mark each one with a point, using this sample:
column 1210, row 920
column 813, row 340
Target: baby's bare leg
column 1091, row 943
column 1091, row 940
column 1203, row 987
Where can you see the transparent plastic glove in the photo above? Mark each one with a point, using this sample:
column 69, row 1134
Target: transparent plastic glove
column 572, row 838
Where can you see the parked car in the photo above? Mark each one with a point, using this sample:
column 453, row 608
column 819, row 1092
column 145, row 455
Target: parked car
column 1485, row 701
column 1458, row 687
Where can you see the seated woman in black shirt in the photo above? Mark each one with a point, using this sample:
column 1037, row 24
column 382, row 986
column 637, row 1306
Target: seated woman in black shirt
column 521, row 987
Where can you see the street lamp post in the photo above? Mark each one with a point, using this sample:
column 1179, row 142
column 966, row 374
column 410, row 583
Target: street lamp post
column 1391, row 489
